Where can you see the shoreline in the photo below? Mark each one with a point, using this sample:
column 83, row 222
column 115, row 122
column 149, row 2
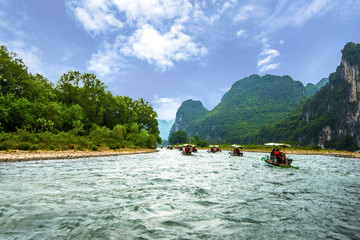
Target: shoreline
column 23, row 155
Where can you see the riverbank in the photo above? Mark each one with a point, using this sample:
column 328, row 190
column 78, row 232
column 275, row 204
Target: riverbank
column 22, row 155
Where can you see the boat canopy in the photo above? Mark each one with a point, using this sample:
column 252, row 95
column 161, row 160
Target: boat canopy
column 236, row 146
column 278, row 144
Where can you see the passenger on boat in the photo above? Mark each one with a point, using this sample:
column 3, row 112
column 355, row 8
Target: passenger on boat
column 237, row 152
column 283, row 157
column 278, row 156
column 272, row 154
column 187, row 150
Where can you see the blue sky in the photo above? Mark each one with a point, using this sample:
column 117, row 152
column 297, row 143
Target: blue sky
column 167, row 51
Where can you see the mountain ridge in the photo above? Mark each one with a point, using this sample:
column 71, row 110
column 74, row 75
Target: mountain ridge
column 250, row 102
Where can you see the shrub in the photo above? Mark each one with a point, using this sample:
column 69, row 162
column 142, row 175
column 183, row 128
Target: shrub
column 94, row 148
column 4, row 146
column 24, row 146
column 33, row 147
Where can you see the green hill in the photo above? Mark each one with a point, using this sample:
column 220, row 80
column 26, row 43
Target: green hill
column 251, row 103
column 311, row 89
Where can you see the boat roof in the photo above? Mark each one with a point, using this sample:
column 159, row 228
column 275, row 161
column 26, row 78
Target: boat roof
column 278, row 144
column 236, row 146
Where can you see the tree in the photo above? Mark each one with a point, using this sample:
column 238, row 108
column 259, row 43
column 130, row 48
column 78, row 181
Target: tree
column 178, row 137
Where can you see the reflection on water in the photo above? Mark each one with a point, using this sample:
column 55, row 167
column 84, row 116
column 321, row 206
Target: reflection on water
column 169, row 196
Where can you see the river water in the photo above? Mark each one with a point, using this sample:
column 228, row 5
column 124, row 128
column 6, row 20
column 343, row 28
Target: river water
column 165, row 195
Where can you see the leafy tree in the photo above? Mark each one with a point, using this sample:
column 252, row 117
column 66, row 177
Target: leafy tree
column 178, row 137
column 78, row 110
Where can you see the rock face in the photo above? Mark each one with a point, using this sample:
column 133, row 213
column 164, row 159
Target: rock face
column 350, row 72
column 339, row 101
column 188, row 112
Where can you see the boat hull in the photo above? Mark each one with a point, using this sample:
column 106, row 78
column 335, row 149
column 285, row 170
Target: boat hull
column 274, row 164
column 235, row 155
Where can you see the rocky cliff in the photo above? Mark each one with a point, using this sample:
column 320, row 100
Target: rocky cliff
column 349, row 72
column 189, row 112
column 330, row 118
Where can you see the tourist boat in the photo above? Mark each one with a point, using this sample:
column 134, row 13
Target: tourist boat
column 214, row 149
column 187, row 149
column 236, row 151
column 278, row 159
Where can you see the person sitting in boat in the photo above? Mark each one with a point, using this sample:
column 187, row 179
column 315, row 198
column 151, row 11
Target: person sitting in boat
column 283, row 157
column 272, row 154
column 237, row 152
column 187, row 150
column 278, row 156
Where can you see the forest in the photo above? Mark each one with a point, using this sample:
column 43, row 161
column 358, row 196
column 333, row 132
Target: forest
column 75, row 113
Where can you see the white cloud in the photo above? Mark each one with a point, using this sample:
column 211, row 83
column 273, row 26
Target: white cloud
column 107, row 60
column 240, row 33
column 267, row 57
column 163, row 32
column 295, row 13
column 162, row 49
column 166, row 108
column 141, row 11
column 244, row 13
column 155, row 31
column 95, row 15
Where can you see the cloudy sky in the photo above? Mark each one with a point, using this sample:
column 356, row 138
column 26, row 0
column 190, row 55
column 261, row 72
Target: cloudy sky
column 167, row 51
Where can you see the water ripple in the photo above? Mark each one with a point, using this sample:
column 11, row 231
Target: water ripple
column 169, row 196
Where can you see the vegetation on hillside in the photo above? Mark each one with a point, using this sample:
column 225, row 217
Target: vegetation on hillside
column 76, row 113
column 250, row 104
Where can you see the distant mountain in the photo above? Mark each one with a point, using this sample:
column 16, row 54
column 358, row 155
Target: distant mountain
column 311, row 89
column 164, row 127
column 331, row 118
column 250, row 104
column 190, row 112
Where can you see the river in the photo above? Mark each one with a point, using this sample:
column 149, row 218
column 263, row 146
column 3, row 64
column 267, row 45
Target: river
column 166, row 195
